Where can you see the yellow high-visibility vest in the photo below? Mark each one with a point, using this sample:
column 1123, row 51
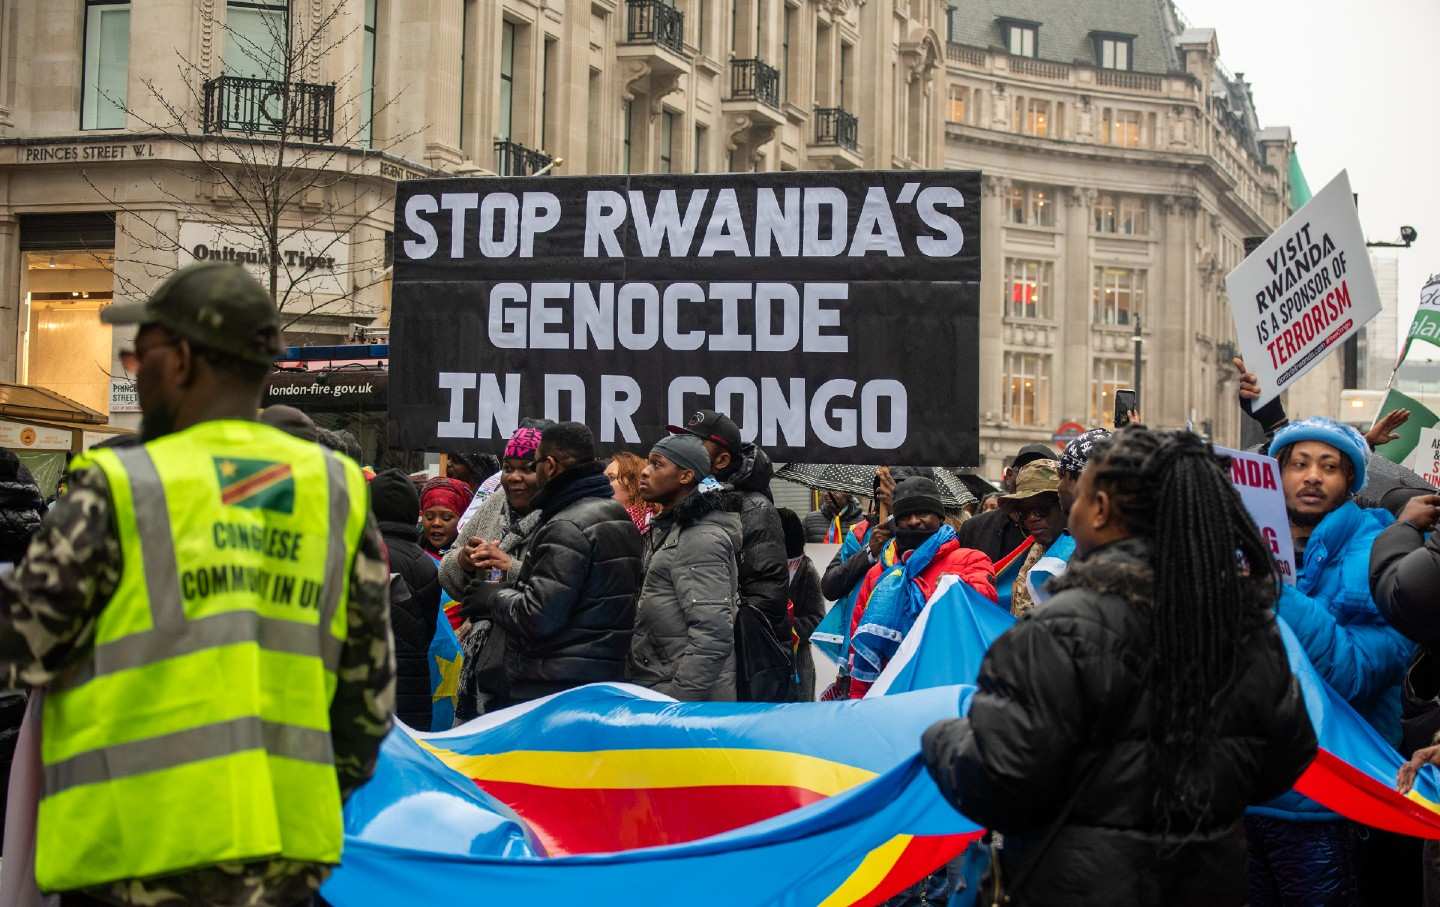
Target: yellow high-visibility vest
column 197, row 729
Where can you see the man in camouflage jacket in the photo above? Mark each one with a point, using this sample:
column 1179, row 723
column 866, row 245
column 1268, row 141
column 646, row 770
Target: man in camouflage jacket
column 50, row 603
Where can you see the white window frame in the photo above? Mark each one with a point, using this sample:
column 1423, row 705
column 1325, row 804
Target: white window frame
column 1037, row 277
column 1112, row 284
column 240, row 57
column 1116, row 53
column 1105, row 379
column 110, row 97
column 1026, row 383
column 1036, row 205
column 1023, row 40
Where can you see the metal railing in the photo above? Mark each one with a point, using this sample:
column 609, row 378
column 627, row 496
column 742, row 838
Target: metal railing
column 1040, row 69
column 266, row 107
column 514, row 159
column 1130, row 81
column 655, row 22
column 964, row 53
column 837, row 126
column 754, row 79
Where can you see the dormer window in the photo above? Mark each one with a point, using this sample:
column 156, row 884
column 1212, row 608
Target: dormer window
column 1115, row 51
column 1022, row 38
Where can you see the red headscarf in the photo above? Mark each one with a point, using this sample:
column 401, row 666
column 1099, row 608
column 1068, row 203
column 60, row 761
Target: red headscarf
column 452, row 494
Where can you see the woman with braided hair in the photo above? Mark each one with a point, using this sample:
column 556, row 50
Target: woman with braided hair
column 1119, row 731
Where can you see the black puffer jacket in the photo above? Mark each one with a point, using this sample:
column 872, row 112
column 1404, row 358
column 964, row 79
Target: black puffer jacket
column 20, row 508
column 413, row 622
column 994, row 533
column 1405, row 581
column 764, row 579
column 1066, row 689
column 570, row 615
column 396, row 505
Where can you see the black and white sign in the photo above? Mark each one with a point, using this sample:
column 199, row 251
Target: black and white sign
column 1304, row 291
column 336, row 390
column 834, row 316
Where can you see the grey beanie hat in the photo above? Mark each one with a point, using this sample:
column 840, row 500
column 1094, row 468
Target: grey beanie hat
column 685, row 451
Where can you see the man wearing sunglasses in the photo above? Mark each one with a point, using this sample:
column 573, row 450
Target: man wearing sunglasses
column 207, row 613
column 1035, row 507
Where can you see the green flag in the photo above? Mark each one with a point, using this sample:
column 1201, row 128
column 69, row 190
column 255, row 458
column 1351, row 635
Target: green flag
column 1426, row 325
column 1398, row 450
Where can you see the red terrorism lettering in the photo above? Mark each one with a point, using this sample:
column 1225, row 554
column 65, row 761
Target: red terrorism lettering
column 1312, row 324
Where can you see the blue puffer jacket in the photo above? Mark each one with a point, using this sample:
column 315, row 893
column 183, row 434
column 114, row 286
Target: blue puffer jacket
column 1350, row 643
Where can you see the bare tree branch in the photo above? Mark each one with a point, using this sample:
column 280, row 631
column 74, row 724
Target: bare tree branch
column 296, row 201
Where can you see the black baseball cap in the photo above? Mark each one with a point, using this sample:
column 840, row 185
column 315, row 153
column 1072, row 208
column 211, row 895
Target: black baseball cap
column 1031, row 452
column 708, row 425
column 214, row 304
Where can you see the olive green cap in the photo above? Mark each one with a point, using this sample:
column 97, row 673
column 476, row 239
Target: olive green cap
column 214, row 304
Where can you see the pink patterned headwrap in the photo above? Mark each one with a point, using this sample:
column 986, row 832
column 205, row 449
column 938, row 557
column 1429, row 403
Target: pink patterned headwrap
column 523, row 444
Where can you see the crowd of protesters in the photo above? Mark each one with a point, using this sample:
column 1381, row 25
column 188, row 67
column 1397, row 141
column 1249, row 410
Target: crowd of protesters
column 1134, row 739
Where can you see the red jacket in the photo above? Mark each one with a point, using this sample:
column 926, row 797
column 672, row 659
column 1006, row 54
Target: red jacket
column 971, row 566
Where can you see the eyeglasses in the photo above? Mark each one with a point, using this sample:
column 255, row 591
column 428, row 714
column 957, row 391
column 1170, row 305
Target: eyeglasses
column 130, row 359
column 1038, row 511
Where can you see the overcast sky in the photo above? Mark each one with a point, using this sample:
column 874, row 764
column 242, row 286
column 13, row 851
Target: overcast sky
column 1358, row 85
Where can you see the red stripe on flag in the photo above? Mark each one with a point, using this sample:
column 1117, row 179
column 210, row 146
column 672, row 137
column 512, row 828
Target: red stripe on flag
column 923, row 855
column 258, row 482
column 1357, row 795
column 600, row 820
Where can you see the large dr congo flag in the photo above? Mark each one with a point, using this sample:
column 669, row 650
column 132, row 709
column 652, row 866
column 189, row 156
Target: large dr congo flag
column 834, row 316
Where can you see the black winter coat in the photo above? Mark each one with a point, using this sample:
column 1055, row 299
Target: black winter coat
column 570, row 615
column 763, row 575
column 412, row 622
column 818, row 523
column 20, row 508
column 1066, row 690
column 810, row 607
column 993, row 533
column 1405, row 581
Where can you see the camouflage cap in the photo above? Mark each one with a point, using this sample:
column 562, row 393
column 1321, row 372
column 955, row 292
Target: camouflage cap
column 214, row 304
column 1035, row 478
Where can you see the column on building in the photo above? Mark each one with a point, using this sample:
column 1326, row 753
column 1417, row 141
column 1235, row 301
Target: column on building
column 1072, row 370
column 992, row 274
column 437, row 54
column 1166, row 318
column 11, row 265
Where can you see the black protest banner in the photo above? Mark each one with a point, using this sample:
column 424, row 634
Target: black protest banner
column 834, row 316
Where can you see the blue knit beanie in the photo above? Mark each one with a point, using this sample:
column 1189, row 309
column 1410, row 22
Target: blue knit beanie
column 1327, row 431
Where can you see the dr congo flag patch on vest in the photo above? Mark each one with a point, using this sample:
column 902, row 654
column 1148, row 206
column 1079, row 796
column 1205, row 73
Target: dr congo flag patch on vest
column 257, row 484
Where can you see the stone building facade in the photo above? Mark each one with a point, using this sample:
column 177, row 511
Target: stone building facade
column 119, row 122
column 1124, row 168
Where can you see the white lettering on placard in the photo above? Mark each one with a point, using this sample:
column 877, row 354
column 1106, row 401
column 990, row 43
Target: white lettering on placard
column 537, row 317
column 619, row 402
column 791, row 222
column 1304, row 291
column 840, row 412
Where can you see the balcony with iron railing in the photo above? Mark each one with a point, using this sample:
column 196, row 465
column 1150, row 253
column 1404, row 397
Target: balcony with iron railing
column 837, row 126
column 755, row 80
column 655, row 22
column 514, row 159
column 294, row 110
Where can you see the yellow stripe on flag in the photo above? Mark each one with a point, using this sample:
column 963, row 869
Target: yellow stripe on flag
column 656, row 768
column 870, row 873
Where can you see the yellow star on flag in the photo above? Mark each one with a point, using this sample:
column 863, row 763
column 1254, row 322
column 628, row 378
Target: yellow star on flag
column 227, row 469
column 449, row 687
